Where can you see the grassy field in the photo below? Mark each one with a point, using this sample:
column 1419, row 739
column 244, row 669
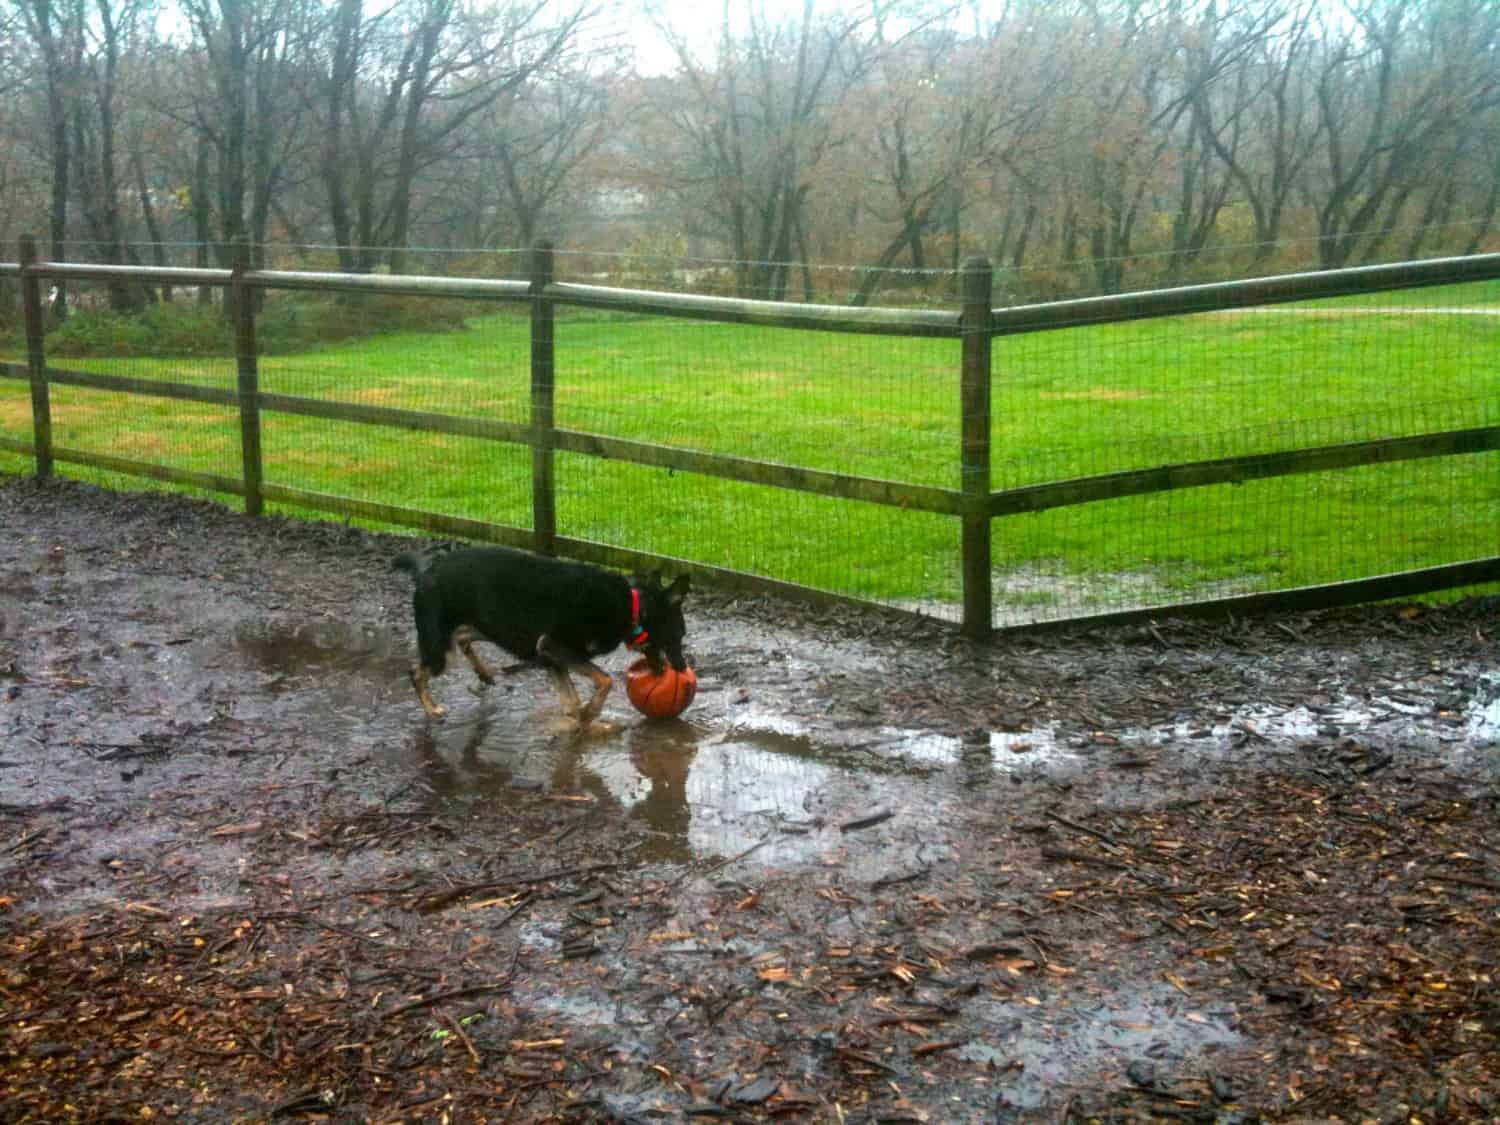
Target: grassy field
column 1065, row 404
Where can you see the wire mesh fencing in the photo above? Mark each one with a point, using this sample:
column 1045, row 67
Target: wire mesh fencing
column 95, row 328
column 1163, row 451
column 1381, row 408
column 859, row 406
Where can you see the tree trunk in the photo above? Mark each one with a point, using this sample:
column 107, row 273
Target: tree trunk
column 59, row 39
column 202, row 217
column 153, row 223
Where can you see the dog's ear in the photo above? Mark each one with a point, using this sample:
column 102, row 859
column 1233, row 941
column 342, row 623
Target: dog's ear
column 678, row 590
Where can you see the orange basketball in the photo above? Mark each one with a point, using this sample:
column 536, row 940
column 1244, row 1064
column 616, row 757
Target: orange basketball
column 660, row 696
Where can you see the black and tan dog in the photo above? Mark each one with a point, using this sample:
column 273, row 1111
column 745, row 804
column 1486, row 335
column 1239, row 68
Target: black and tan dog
column 556, row 613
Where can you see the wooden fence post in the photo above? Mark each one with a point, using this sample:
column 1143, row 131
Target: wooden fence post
column 36, row 359
column 543, row 438
column 974, row 464
column 242, row 312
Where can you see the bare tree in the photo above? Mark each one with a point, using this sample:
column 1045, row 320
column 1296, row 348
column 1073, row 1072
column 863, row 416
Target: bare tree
column 531, row 150
column 1391, row 89
column 1461, row 43
column 56, row 29
column 1482, row 157
column 11, row 50
column 157, row 153
column 13, row 201
column 1262, row 122
column 925, row 139
column 396, row 89
column 526, row 166
column 753, row 124
column 944, row 108
column 249, row 54
column 95, row 110
column 1144, row 66
column 1214, row 81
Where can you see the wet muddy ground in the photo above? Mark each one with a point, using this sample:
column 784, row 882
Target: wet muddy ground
column 1221, row 871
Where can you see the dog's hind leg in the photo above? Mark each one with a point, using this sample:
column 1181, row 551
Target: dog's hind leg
column 561, row 661
column 466, row 646
column 566, row 693
column 432, row 648
column 420, row 679
column 480, row 668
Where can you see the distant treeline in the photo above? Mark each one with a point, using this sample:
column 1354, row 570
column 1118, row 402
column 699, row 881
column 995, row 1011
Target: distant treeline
column 843, row 153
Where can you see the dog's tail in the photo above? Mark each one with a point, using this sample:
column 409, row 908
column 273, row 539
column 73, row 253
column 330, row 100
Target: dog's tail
column 411, row 562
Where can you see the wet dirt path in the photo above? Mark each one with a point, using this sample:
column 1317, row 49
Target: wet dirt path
column 1184, row 871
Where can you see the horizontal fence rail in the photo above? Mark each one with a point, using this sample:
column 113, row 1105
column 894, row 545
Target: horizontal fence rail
column 773, row 314
column 892, row 493
column 1184, row 300
column 975, row 502
column 1237, row 470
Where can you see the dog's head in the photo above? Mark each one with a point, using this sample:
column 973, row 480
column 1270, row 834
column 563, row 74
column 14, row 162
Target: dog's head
column 661, row 618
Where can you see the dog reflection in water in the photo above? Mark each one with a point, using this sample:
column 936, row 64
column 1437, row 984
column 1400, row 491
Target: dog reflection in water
column 660, row 755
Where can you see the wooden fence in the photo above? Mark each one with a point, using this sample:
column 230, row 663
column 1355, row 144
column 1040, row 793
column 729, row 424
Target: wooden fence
column 976, row 325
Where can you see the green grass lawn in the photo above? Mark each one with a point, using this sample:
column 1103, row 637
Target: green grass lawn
column 1065, row 404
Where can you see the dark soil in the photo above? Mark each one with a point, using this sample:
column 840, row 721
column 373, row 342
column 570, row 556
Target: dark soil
column 1211, row 872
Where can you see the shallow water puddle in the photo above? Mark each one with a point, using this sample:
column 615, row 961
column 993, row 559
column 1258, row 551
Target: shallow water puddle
column 892, row 749
column 328, row 674
column 316, row 647
column 1138, row 1026
column 1484, row 716
column 731, row 780
column 760, row 787
column 776, row 800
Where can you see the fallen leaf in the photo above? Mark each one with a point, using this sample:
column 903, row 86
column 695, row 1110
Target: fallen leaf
column 244, row 828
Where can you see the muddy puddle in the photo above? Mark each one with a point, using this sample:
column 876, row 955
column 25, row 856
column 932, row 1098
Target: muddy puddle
column 1484, row 715
column 739, row 778
column 731, row 778
column 747, row 772
column 1151, row 1025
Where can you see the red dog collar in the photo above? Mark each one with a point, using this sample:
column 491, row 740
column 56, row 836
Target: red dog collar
column 638, row 635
